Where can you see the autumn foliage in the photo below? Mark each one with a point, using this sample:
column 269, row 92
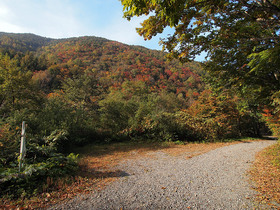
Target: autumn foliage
column 272, row 114
column 72, row 92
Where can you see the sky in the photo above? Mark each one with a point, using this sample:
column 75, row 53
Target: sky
column 74, row 18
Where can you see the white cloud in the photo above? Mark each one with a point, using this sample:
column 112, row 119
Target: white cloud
column 3, row 11
column 5, row 24
column 49, row 18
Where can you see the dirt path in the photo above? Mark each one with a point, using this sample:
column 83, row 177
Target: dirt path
column 214, row 180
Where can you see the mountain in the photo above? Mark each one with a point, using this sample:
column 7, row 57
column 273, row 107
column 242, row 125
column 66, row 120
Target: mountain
column 22, row 42
column 54, row 60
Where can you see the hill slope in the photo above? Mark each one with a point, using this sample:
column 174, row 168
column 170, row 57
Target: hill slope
column 115, row 63
column 22, row 42
column 54, row 60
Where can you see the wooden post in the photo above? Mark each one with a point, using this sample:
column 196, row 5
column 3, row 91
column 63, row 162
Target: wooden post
column 22, row 146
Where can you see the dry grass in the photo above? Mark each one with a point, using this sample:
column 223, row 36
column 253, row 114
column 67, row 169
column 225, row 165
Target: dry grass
column 96, row 164
column 266, row 175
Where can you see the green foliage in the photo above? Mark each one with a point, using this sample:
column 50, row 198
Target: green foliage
column 16, row 184
column 13, row 82
column 55, row 114
column 135, row 111
column 57, row 140
column 163, row 127
column 15, row 43
column 241, row 38
column 41, row 161
column 119, row 109
column 9, row 144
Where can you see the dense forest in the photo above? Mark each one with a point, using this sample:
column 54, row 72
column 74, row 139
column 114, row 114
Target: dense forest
column 77, row 91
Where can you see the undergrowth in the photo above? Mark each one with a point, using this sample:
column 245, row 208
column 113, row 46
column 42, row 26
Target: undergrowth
column 266, row 175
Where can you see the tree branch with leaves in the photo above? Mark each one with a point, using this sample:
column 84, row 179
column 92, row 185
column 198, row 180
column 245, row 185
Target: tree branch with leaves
column 241, row 38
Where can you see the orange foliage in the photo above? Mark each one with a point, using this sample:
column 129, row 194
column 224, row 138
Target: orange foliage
column 56, row 94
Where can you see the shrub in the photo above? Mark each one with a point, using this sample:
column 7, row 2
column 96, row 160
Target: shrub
column 9, row 143
column 35, row 175
column 272, row 115
column 42, row 161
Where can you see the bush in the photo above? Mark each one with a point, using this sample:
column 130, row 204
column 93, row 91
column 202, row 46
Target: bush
column 9, row 143
column 42, row 161
column 35, row 175
column 272, row 115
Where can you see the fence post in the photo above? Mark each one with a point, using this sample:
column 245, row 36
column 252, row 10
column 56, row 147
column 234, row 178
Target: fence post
column 22, row 145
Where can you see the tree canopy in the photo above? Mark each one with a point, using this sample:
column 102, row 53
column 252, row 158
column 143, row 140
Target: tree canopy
column 241, row 38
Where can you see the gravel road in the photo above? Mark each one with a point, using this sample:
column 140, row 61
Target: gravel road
column 214, row 180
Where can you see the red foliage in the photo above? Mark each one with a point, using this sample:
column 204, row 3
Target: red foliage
column 114, row 63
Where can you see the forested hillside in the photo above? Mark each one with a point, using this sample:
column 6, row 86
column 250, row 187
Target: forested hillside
column 14, row 43
column 91, row 90
column 114, row 63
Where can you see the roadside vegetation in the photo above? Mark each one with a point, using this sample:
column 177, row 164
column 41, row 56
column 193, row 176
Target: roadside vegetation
column 266, row 175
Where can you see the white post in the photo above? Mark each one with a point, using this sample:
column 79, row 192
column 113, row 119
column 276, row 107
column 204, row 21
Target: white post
column 22, row 146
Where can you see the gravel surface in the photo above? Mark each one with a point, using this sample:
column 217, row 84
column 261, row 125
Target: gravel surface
column 214, row 180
